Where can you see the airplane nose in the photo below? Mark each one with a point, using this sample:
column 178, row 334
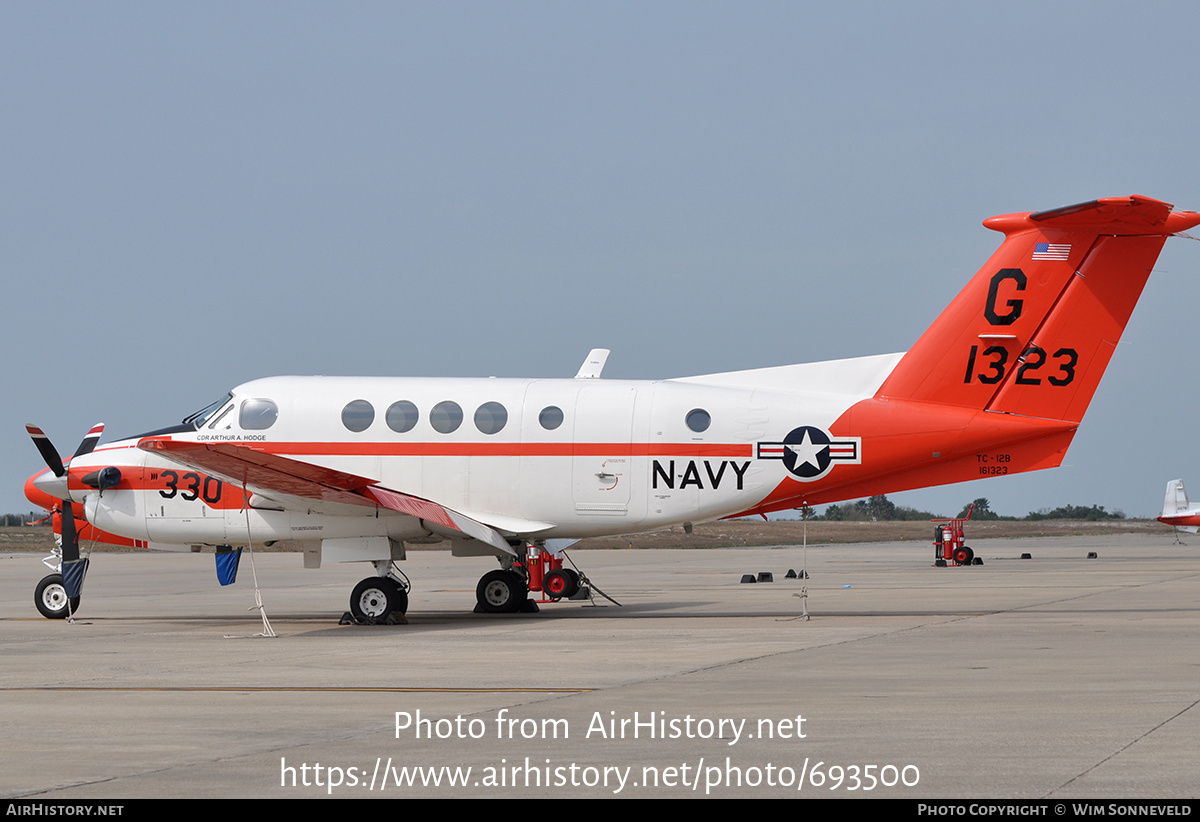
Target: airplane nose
column 45, row 489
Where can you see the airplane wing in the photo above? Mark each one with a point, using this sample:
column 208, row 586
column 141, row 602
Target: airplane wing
column 269, row 473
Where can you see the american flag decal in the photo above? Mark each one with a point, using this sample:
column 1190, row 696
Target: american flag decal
column 1051, row 251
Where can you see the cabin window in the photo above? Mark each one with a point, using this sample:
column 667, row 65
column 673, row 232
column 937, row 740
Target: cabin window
column 257, row 415
column 698, row 420
column 446, row 416
column 491, row 417
column 358, row 415
column 402, row 416
column 551, row 417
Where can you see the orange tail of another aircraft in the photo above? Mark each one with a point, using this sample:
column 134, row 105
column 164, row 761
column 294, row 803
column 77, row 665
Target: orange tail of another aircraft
column 1000, row 381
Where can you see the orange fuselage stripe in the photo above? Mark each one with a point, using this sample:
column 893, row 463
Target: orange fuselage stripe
column 503, row 449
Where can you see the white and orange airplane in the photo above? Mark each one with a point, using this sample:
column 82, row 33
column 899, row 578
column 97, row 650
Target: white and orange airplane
column 1177, row 511
column 355, row 468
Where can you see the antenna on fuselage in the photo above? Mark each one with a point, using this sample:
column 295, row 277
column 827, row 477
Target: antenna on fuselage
column 593, row 364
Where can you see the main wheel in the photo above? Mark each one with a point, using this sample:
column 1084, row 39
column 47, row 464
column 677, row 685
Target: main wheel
column 501, row 592
column 561, row 583
column 50, row 597
column 375, row 598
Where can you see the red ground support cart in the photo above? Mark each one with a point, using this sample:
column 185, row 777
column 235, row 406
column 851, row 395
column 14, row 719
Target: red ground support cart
column 547, row 574
column 950, row 544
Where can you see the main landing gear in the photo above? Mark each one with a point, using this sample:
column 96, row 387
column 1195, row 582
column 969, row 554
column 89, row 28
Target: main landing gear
column 502, row 592
column 380, row 599
column 383, row 599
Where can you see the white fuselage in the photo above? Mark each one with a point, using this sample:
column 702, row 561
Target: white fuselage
column 543, row 458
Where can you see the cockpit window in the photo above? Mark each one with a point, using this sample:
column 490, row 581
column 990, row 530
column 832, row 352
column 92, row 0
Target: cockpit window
column 257, row 415
column 220, row 417
column 198, row 419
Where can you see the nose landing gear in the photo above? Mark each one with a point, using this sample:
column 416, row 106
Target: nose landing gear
column 51, row 599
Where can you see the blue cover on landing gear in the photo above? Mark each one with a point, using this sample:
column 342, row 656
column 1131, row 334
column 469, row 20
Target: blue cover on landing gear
column 73, row 572
column 227, row 565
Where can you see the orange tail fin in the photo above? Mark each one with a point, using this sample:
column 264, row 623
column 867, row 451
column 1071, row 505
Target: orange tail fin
column 1033, row 331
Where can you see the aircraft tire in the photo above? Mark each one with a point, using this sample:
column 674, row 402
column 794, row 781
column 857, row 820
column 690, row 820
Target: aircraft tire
column 401, row 598
column 575, row 582
column 561, row 583
column 375, row 598
column 50, row 597
column 501, row 592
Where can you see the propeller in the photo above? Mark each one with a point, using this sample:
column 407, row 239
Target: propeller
column 73, row 568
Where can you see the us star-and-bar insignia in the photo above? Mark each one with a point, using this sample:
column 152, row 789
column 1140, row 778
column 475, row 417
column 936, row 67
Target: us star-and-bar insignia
column 809, row 453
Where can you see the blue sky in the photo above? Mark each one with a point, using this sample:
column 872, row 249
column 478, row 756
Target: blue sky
column 195, row 195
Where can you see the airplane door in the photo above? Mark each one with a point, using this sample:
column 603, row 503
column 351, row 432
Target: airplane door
column 602, row 455
column 546, row 433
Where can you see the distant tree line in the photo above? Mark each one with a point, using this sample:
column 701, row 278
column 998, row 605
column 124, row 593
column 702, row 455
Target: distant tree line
column 881, row 509
column 878, row 508
column 983, row 511
column 1096, row 512
column 22, row 519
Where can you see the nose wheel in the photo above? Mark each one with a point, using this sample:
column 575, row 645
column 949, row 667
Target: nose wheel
column 50, row 597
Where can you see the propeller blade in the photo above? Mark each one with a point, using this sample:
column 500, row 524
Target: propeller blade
column 54, row 461
column 89, row 441
column 46, row 449
column 70, row 537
